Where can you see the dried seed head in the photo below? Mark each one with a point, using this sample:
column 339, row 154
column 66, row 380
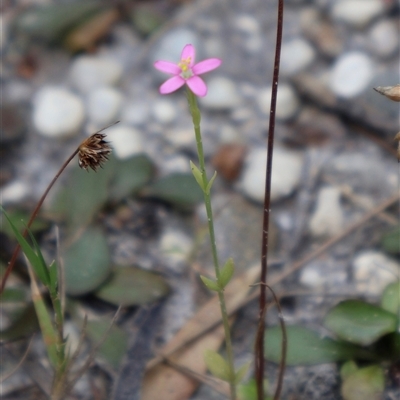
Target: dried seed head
column 391, row 92
column 94, row 151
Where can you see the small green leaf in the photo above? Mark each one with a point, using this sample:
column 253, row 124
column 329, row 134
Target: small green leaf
column 210, row 183
column 178, row 189
column 130, row 286
column 359, row 322
column 248, row 391
column 364, row 384
column 307, row 347
column 197, row 175
column 348, row 368
column 13, row 294
column 87, row 263
column 391, row 241
column 130, row 176
column 217, row 365
column 226, row 273
column 241, row 372
column 391, row 298
column 115, row 344
column 210, row 284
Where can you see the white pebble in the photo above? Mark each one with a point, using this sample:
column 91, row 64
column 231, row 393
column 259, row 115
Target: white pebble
column 297, row 54
column 125, row 141
column 384, row 38
column 351, row 74
column 13, row 192
column 287, row 102
column 327, row 219
column 164, row 111
column 103, row 105
column 373, row 271
column 247, row 24
column 222, row 94
column 90, row 72
column 175, row 247
column 286, row 173
column 312, row 276
column 135, row 113
column 57, row 112
column 357, row 13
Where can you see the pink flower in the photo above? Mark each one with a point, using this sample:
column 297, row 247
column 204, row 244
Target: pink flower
column 186, row 71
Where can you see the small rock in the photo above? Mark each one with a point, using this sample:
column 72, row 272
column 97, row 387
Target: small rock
column 135, row 113
column 357, row 13
column 287, row 102
column 327, row 219
column 13, row 192
column 373, row 271
column 164, row 111
column 90, row 72
column 175, row 247
column 228, row 160
column 125, row 141
column 104, row 105
column 180, row 138
column 351, row 74
column 12, row 122
column 57, row 112
column 251, row 29
column 384, row 38
column 222, row 94
column 297, row 55
column 286, row 173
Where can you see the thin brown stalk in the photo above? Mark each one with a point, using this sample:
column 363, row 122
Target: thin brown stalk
column 259, row 345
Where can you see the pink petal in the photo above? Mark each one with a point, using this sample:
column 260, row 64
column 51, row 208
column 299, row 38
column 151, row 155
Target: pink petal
column 197, row 86
column 206, row 65
column 189, row 51
column 168, row 67
column 171, row 85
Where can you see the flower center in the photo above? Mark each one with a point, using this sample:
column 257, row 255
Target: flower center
column 184, row 65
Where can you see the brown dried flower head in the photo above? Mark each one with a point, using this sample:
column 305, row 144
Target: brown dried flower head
column 94, row 151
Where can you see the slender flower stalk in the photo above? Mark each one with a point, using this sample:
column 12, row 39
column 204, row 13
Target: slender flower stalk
column 187, row 72
column 93, row 152
column 195, row 112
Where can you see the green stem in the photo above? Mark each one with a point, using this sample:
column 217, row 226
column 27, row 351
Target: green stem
column 196, row 116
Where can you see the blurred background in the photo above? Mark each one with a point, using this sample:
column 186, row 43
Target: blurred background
column 134, row 232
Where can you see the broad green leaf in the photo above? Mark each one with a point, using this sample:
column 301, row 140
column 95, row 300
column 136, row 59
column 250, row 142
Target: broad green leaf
column 391, row 298
column 130, row 286
column 364, row 384
column 217, row 365
column 36, row 261
column 197, row 175
column 391, row 241
column 130, row 176
column 307, row 347
column 115, row 344
column 13, row 295
column 210, row 284
column 359, row 322
column 87, row 263
column 83, row 195
column 226, row 273
column 210, row 183
column 50, row 21
column 179, row 189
